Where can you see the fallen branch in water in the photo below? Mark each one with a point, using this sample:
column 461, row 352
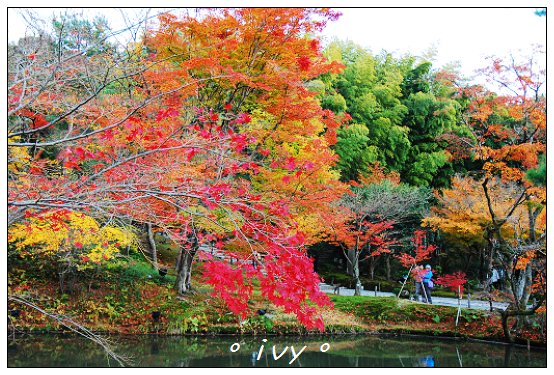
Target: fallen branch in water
column 77, row 328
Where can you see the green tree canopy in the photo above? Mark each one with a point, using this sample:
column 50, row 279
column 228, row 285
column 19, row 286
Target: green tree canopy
column 405, row 112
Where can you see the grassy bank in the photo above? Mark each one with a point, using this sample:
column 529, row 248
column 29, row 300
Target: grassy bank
column 124, row 298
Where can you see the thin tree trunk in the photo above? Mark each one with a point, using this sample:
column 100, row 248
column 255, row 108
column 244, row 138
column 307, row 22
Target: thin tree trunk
column 152, row 243
column 405, row 280
column 358, row 287
column 491, row 255
column 351, row 255
column 532, row 223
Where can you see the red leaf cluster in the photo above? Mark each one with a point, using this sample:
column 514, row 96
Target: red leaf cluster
column 454, row 282
column 421, row 251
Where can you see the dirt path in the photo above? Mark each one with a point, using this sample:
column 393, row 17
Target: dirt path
column 443, row 301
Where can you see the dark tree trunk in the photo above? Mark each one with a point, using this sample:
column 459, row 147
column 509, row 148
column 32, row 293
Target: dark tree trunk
column 184, row 264
column 505, row 327
column 508, row 355
column 184, row 269
column 388, row 267
column 482, row 275
column 372, row 265
column 518, row 313
column 525, row 279
column 487, row 257
column 353, row 269
column 468, row 264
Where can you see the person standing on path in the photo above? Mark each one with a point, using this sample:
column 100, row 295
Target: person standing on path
column 418, row 278
column 426, row 281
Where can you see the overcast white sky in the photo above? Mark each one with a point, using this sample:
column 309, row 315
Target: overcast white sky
column 464, row 35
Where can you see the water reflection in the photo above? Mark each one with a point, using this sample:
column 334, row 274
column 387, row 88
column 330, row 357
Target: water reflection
column 427, row 361
column 345, row 351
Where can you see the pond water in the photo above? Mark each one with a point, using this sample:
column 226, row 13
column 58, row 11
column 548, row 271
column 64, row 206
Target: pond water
column 341, row 351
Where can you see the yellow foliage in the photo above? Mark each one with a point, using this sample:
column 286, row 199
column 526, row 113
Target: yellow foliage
column 463, row 211
column 523, row 261
column 18, row 158
column 218, row 221
column 53, row 233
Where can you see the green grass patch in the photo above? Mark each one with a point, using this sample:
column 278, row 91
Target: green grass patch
column 396, row 310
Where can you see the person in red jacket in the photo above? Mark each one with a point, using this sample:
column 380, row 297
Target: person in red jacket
column 417, row 273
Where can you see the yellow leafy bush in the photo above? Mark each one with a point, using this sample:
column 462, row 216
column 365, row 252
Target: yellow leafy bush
column 68, row 232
